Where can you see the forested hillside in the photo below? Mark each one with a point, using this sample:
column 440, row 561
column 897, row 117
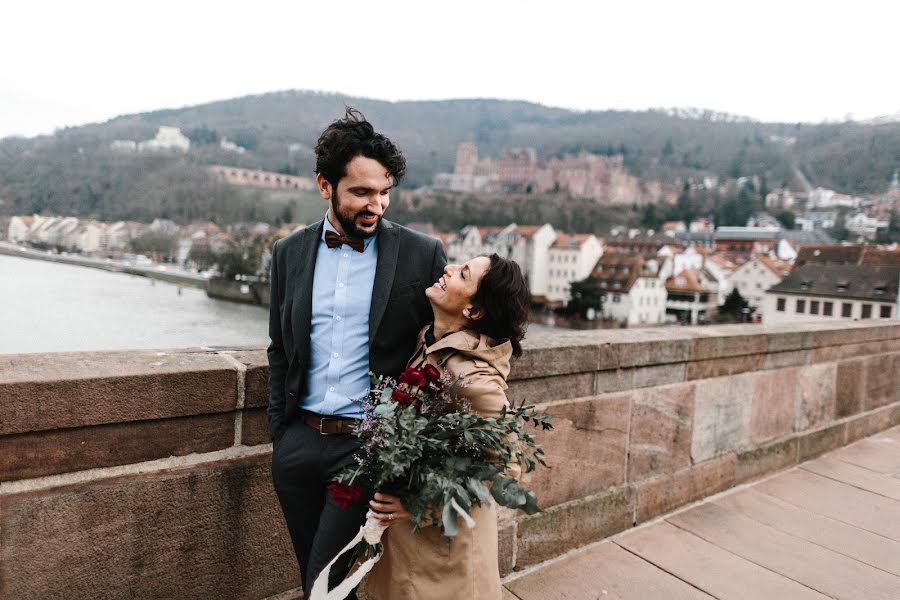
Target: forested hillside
column 74, row 171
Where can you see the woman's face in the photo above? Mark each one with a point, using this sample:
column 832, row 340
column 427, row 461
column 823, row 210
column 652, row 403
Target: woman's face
column 452, row 293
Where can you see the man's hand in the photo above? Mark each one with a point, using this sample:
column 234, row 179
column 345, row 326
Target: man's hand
column 388, row 509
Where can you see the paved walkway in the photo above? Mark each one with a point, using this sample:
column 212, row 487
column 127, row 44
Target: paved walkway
column 828, row 528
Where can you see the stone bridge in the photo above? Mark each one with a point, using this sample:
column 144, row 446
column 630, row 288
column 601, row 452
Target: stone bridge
column 146, row 473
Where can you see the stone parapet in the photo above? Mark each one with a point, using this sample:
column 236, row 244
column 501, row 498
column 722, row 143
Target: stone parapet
column 146, row 473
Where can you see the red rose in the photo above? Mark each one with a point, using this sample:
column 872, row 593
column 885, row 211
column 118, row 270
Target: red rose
column 431, row 372
column 343, row 494
column 410, row 376
column 401, row 397
column 413, row 377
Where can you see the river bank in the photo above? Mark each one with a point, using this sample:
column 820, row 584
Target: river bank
column 158, row 272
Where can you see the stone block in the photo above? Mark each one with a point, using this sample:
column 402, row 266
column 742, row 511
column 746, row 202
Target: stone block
column 833, row 353
column 586, row 449
column 854, row 333
column 41, row 453
column 767, row 459
column 718, row 344
column 506, row 546
column 882, row 380
column 816, row 399
column 657, row 375
column 868, row 424
column 664, row 349
column 210, row 531
column 638, row 377
column 557, row 356
column 774, row 404
column 67, row 390
column 548, row 389
column 663, row 494
column 781, row 360
column 819, row 442
column 850, row 387
column 255, row 427
column 660, row 439
column 720, row 367
column 787, row 341
column 256, row 379
column 722, row 412
column 560, row 529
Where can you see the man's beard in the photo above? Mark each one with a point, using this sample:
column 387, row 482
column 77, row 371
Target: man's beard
column 348, row 221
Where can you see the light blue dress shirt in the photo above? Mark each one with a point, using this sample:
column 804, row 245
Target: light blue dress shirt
column 339, row 346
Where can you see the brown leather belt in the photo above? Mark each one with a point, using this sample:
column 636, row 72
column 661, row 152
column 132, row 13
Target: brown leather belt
column 328, row 425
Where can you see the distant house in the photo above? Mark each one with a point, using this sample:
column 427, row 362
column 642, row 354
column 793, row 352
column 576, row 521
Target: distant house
column 757, row 275
column 167, row 138
column 571, row 258
column 634, row 294
column 831, row 282
column 692, row 297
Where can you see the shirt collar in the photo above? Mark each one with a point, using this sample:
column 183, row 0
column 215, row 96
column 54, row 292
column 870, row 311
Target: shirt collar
column 329, row 227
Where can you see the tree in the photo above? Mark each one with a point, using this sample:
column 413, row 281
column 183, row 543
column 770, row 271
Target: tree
column 732, row 311
column 787, row 218
column 585, row 294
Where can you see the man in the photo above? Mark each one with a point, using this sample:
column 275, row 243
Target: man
column 347, row 297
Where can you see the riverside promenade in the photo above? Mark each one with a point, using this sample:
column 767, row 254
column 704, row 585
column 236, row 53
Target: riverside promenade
column 146, row 473
column 828, row 528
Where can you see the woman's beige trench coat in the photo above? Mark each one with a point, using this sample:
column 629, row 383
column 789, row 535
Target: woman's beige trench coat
column 420, row 565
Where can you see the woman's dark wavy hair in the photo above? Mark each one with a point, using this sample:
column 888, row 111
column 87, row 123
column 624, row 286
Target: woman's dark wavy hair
column 353, row 136
column 503, row 296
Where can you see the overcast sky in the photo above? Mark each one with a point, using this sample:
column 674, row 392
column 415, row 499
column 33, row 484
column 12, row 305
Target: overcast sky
column 69, row 63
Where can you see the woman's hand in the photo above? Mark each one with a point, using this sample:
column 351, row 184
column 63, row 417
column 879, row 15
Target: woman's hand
column 388, row 509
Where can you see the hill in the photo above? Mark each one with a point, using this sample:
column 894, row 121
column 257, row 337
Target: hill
column 74, row 172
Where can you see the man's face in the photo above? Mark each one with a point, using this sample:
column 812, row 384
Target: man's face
column 361, row 197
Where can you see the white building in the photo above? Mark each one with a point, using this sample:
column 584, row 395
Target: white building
column 571, row 258
column 634, row 294
column 824, row 292
column 692, row 297
column 167, row 138
column 864, row 225
column 757, row 275
column 19, row 227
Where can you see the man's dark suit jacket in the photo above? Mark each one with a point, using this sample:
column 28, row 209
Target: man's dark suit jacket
column 408, row 262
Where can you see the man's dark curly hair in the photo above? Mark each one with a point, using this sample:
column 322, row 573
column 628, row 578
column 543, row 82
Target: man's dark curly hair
column 503, row 296
column 353, row 136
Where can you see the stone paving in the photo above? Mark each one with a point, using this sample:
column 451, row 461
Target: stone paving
column 828, row 528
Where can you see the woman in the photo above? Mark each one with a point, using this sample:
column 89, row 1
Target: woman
column 480, row 314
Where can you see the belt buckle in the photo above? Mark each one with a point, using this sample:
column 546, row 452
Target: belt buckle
column 321, row 421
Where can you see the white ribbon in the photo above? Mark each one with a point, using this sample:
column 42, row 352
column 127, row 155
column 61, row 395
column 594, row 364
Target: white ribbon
column 371, row 531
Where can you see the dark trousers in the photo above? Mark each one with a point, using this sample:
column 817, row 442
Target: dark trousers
column 303, row 463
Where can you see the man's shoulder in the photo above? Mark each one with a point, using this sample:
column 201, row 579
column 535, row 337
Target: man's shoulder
column 298, row 235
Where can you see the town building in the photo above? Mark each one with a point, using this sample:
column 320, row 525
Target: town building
column 571, row 258
column 692, row 297
column 167, row 138
column 265, row 179
column 757, row 275
column 634, row 293
column 829, row 282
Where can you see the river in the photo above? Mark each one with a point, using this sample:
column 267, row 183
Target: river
column 49, row 307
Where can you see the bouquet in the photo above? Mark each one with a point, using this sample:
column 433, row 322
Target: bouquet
column 423, row 442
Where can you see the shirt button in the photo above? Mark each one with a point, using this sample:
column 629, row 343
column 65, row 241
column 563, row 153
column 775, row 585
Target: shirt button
column 337, row 317
column 345, row 255
column 340, row 285
column 331, row 389
column 336, row 355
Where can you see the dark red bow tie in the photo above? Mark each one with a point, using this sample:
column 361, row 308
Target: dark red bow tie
column 335, row 239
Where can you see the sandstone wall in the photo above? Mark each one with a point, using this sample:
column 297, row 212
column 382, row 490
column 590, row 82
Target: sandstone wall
column 146, row 473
